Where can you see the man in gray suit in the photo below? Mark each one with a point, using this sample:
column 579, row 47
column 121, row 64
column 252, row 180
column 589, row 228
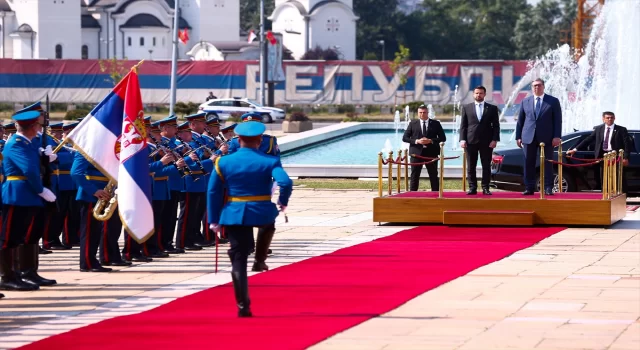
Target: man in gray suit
column 539, row 120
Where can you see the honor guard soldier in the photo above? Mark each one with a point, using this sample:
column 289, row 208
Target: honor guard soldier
column 193, row 207
column 69, row 207
column 269, row 144
column 91, row 183
column 246, row 174
column 9, row 129
column 160, row 167
column 63, row 189
column 228, row 132
column 205, row 148
column 168, row 130
column 22, row 202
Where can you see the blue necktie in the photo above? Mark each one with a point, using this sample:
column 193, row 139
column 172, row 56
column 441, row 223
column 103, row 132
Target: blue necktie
column 537, row 107
column 479, row 111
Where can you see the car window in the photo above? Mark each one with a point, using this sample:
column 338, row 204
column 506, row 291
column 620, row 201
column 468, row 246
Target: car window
column 226, row 103
column 244, row 104
column 573, row 141
column 214, row 103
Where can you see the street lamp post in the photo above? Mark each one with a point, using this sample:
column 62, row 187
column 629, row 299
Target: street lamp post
column 174, row 57
column 381, row 42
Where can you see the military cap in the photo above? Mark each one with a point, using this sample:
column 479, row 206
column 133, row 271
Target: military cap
column 26, row 118
column 147, row 120
column 10, row 128
column 229, row 127
column 250, row 129
column 251, row 116
column 184, row 127
column 34, row 107
column 170, row 120
column 57, row 127
column 69, row 126
column 198, row 116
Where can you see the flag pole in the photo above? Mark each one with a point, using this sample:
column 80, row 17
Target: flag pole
column 174, row 57
column 262, row 57
column 66, row 139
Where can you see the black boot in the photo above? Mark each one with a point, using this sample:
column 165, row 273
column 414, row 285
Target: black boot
column 28, row 262
column 241, row 289
column 265, row 236
column 9, row 279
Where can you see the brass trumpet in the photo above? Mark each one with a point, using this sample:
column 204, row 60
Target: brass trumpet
column 103, row 210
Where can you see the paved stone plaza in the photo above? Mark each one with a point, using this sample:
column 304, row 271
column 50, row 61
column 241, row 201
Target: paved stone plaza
column 579, row 289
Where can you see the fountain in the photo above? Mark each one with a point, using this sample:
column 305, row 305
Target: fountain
column 456, row 121
column 603, row 79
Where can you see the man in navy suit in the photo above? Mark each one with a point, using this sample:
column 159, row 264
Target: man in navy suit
column 539, row 120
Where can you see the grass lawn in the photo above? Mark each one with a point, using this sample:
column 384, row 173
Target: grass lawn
column 346, row 184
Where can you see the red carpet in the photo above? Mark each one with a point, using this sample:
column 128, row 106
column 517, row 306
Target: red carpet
column 498, row 195
column 299, row 305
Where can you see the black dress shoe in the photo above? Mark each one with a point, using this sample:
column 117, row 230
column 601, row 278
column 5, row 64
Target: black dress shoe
column 192, row 247
column 173, row 250
column 44, row 251
column 486, row 192
column 472, row 191
column 57, row 247
column 548, row 192
column 527, row 193
column 157, row 255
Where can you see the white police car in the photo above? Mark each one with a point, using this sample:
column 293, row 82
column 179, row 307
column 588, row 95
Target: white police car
column 223, row 107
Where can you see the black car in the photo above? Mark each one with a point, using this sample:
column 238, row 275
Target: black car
column 507, row 167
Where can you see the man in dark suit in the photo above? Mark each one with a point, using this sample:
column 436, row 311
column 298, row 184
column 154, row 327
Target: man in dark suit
column 479, row 133
column 424, row 136
column 539, row 120
column 608, row 137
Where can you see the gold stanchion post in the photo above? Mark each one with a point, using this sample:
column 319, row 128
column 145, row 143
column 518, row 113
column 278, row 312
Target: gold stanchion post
column 542, row 161
column 560, row 167
column 614, row 173
column 406, row 170
column 390, row 172
column 441, row 190
column 398, row 174
column 464, row 169
column 380, row 174
column 605, row 176
column 620, row 168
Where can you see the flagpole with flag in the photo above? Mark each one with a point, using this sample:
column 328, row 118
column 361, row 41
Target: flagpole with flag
column 113, row 138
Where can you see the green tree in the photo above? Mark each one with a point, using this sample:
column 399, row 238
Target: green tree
column 400, row 66
column 250, row 14
column 538, row 29
column 378, row 21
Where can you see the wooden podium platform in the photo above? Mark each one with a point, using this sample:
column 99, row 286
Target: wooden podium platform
column 500, row 209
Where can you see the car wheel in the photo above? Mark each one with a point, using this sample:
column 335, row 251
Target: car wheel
column 568, row 184
column 266, row 118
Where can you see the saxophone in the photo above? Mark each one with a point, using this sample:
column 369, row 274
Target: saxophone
column 103, row 210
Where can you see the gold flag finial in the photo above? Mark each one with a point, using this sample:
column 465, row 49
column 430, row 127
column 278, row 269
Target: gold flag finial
column 135, row 67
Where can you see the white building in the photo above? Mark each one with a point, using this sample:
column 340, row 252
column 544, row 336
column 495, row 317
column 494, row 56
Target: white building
column 98, row 29
column 306, row 24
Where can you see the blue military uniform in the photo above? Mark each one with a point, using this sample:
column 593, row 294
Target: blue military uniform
column 22, row 203
column 60, row 169
column 246, row 174
column 89, row 180
column 69, row 207
column 168, row 126
column 193, row 205
column 269, row 143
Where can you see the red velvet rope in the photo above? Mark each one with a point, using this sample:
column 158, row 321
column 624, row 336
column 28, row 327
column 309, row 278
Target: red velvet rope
column 573, row 165
column 583, row 160
column 430, row 158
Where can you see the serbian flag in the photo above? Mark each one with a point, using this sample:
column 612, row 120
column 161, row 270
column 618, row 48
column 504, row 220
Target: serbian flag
column 252, row 36
column 183, row 35
column 113, row 138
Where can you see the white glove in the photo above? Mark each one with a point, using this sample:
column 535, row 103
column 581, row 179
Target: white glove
column 48, row 151
column 40, row 151
column 47, row 195
column 214, row 227
column 52, row 157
